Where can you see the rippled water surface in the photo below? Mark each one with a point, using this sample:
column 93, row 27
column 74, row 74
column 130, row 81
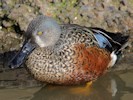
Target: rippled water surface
column 112, row 86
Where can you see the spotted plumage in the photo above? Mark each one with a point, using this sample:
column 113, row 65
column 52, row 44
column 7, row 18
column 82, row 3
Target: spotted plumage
column 68, row 54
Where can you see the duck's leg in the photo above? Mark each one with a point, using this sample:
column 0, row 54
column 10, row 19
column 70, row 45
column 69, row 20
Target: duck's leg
column 85, row 90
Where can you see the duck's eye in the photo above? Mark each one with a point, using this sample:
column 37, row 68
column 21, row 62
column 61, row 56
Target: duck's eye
column 39, row 33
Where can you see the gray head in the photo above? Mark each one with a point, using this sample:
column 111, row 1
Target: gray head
column 44, row 31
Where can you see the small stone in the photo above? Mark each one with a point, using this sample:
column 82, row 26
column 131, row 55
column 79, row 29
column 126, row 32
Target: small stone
column 0, row 27
column 7, row 23
column 123, row 2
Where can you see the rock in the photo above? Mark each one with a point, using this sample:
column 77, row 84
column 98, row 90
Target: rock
column 13, row 42
column 22, row 14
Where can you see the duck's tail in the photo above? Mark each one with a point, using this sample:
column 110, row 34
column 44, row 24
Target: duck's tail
column 114, row 42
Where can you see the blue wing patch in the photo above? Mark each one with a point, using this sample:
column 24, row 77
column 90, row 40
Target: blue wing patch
column 102, row 40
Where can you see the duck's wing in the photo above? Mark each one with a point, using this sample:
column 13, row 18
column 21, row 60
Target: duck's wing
column 114, row 41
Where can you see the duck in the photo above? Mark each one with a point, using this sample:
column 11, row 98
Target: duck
column 68, row 54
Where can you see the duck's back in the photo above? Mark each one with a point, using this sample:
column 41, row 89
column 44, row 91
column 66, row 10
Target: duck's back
column 76, row 58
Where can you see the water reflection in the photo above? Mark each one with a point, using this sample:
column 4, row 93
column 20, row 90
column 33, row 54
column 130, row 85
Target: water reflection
column 110, row 86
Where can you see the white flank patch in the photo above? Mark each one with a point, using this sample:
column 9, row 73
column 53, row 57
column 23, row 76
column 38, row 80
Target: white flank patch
column 113, row 59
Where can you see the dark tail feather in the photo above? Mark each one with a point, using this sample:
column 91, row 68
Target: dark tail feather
column 117, row 40
column 122, row 40
column 118, row 37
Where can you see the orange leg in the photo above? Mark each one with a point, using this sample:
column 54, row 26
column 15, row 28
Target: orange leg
column 85, row 90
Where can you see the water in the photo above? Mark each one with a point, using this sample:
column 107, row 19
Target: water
column 117, row 85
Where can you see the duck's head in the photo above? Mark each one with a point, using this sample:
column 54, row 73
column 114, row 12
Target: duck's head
column 43, row 31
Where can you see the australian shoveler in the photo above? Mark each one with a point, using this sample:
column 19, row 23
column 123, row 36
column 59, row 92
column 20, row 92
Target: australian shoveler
column 68, row 54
